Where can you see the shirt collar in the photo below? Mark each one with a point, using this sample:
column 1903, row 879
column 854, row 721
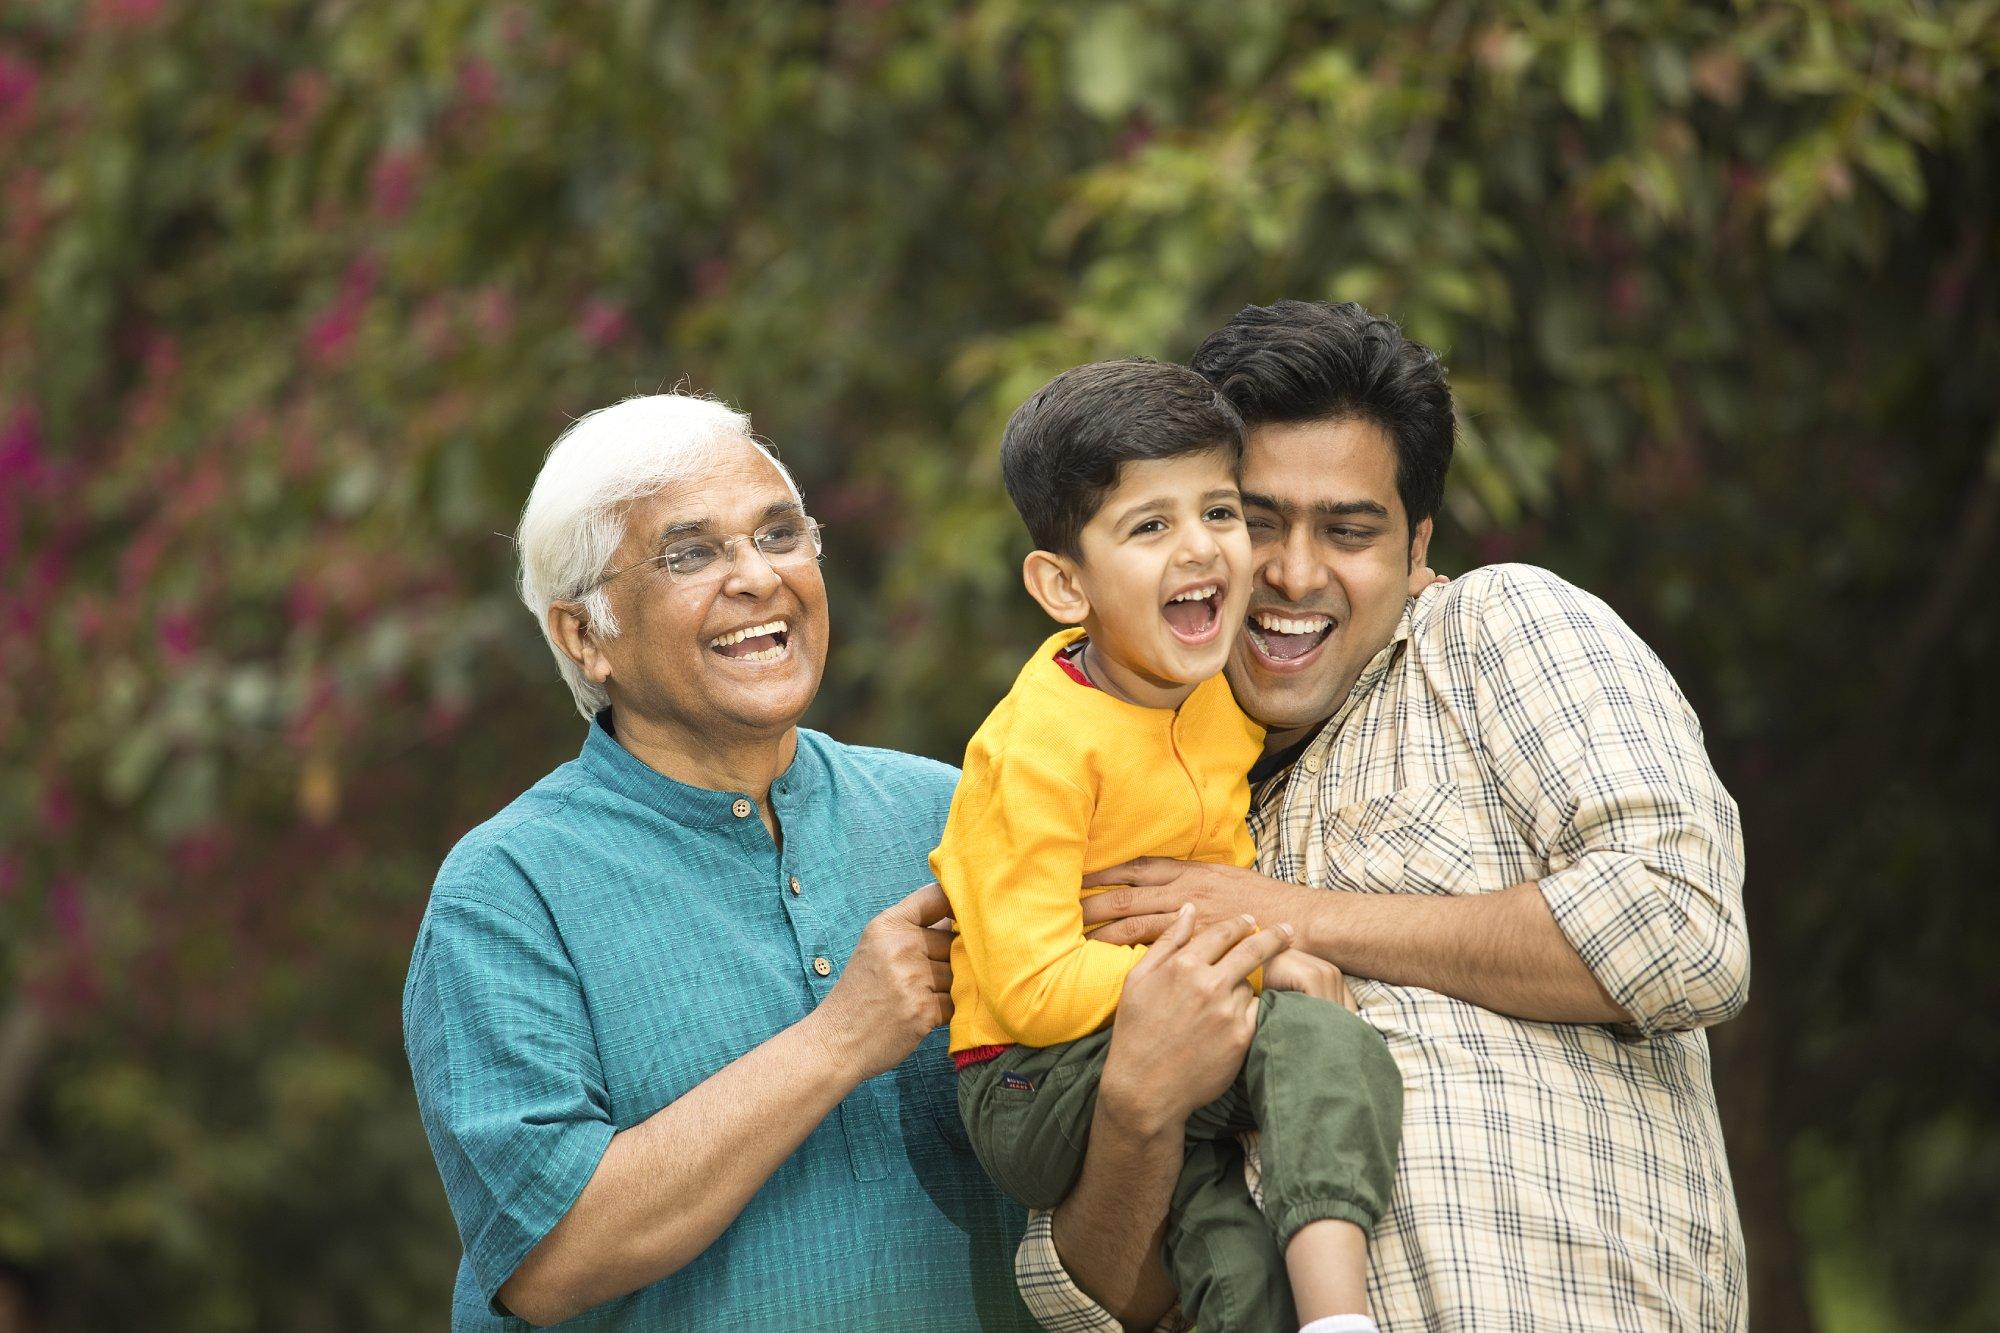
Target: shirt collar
column 620, row 770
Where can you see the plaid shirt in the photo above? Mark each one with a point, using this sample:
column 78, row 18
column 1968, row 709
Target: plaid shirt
column 1553, row 1176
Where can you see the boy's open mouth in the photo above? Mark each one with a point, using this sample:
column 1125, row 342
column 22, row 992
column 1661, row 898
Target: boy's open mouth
column 1195, row 614
column 753, row 643
column 1282, row 638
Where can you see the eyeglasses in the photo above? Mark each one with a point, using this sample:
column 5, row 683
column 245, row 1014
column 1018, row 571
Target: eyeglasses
column 692, row 560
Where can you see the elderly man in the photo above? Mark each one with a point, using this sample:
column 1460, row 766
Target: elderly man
column 673, row 1015
column 1487, row 803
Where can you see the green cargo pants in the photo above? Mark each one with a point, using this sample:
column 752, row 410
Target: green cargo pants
column 1318, row 1083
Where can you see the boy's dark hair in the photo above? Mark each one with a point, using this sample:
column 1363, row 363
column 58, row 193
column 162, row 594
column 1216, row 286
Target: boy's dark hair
column 1063, row 448
column 1313, row 361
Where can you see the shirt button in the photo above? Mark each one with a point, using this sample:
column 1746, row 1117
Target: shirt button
column 1312, row 763
column 821, row 966
column 741, row 809
column 795, row 886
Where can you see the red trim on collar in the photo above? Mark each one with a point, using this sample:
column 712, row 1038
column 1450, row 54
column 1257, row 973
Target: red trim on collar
column 1070, row 668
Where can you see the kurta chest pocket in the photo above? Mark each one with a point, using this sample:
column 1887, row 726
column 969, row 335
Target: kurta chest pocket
column 1410, row 841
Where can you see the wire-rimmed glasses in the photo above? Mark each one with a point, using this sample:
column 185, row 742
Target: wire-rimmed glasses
column 702, row 558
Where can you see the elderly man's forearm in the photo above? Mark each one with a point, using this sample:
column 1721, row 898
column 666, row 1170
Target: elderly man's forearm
column 668, row 1186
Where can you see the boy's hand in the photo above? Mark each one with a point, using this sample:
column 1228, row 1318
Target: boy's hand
column 1294, row 970
column 1184, row 1021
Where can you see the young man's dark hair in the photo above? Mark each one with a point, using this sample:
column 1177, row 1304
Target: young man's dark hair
column 1063, row 448
column 1295, row 361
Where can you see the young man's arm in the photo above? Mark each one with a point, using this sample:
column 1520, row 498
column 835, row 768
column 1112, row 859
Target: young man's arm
column 1501, row 951
column 1184, row 1024
column 1600, row 762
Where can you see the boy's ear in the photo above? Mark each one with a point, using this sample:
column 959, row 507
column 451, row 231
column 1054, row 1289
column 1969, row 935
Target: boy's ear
column 1053, row 581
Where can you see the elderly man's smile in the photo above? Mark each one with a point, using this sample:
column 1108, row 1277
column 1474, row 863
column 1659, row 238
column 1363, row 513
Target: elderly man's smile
column 766, row 641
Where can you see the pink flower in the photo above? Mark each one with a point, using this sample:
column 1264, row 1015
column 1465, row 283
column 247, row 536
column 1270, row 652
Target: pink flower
column 331, row 336
column 393, row 187
column 305, row 97
column 602, row 323
column 127, row 13
column 478, row 84
column 493, row 311
column 711, row 277
column 19, row 82
column 200, row 852
column 303, row 604
column 140, row 557
column 21, row 465
column 178, row 637
column 58, row 807
column 89, row 619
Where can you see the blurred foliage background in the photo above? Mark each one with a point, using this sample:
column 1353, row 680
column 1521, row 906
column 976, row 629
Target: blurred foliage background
column 294, row 296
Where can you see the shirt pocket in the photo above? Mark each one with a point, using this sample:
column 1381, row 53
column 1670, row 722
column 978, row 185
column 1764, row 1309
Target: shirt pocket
column 1410, row 841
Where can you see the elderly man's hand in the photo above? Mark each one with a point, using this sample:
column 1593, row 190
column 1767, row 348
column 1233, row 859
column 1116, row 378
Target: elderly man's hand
column 895, row 988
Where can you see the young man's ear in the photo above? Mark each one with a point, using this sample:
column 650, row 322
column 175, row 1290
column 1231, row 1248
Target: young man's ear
column 1421, row 574
column 573, row 635
column 1052, row 580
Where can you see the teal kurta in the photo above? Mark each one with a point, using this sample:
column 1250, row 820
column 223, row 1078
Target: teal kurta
column 614, row 937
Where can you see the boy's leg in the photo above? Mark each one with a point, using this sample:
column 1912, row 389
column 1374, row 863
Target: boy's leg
column 1028, row 1112
column 1220, row 1250
column 1328, row 1100
column 1323, row 1089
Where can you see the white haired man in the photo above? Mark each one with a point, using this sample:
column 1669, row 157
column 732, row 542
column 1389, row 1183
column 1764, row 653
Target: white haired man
column 674, row 1015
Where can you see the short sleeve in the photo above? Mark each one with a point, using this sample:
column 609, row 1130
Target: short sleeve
column 507, row 1078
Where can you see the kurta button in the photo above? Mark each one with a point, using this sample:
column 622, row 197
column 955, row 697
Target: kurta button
column 741, row 809
column 795, row 886
column 821, row 966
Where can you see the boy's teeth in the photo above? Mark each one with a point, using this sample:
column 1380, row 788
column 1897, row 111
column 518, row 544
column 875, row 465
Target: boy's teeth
column 1194, row 594
column 1286, row 625
column 724, row 640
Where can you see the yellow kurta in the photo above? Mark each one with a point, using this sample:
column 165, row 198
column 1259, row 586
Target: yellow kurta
column 1062, row 780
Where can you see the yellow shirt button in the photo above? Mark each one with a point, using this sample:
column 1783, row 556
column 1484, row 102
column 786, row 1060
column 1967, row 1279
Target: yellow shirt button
column 795, row 885
column 741, row 809
column 821, row 966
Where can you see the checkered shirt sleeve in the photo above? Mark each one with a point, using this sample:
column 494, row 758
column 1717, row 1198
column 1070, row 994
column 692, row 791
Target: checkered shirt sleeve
column 1055, row 1301
column 1600, row 764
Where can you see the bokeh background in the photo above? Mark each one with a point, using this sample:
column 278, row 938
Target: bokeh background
column 296, row 295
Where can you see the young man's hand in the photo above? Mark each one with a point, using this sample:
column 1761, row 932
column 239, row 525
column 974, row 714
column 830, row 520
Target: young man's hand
column 1301, row 972
column 1141, row 897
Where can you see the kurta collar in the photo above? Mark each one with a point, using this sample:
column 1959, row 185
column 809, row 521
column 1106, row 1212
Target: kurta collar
column 696, row 807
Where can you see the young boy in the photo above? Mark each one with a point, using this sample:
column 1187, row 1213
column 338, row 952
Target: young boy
column 1120, row 739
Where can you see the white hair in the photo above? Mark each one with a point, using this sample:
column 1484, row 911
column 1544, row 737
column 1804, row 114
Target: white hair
column 574, row 520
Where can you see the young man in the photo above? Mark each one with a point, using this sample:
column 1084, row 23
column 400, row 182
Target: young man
column 1120, row 739
column 1490, row 806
